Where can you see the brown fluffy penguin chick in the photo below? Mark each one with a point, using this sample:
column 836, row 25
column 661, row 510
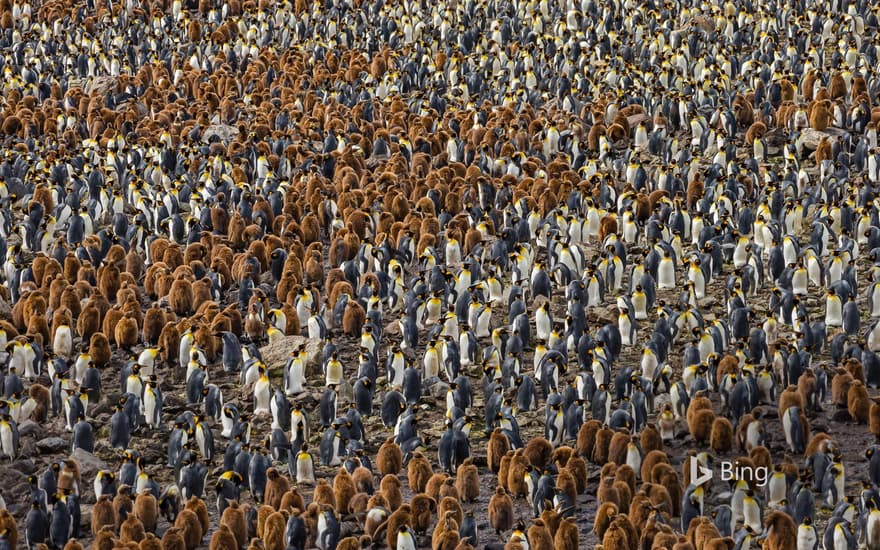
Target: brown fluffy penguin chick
column 446, row 525
column 806, row 386
column 398, row 518
column 103, row 515
column 602, row 445
column 233, row 517
column 700, row 425
column 292, row 499
column 448, row 489
column 622, row 523
column 363, row 480
column 607, row 492
column 496, row 449
column 874, row 419
column 551, row 519
column 840, row 384
column 605, row 514
column 519, row 465
column 432, row 489
column 355, row 543
column 721, row 436
column 561, row 455
column 447, row 538
column 418, row 472
column 190, row 528
column 781, row 531
column 539, row 536
column 42, row 396
column 223, row 539
column 104, row 539
column 423, row 508
column 131, row 530
column 323, row 493
column 700, row 530
column 390, row 488
column 858, row 403
column 353, row 319
column 567, row 536
column 276, row 486
column 823, row 150
column 504, row 469
column 452, row 505
column 358, row 504
column 99, row 349
column 760, row 455
column 146, row 509
column 173, row 539
column 389, row 459
column 650, row 460
column 586, row 438
column 618, row 447
column 274, row 529
column 719, row 543
column 821, row 115
column 608, row 226
column 467, row 481
column 539, row 452
column 198, row 506
column 626, row 474
column 126, row 332
column 150, row 542
column 650, row 439
column 501, row 511
column 343, row 488
column 579, row 469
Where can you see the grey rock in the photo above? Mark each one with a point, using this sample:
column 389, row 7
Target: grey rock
column 345, row 391
column 89, row 464
column 25, row 466
column 30, row 428
column 438, row 389
column 811, row 138
column 225, row 132
column 9, row 477
column 102, row 84
column 637, row 119
column 51, row 444
column 275, row 355
column 27, row 448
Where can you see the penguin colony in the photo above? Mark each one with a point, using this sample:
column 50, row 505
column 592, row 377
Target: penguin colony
column 526, row 263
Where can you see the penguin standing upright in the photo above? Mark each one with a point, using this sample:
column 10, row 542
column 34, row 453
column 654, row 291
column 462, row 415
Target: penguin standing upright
column 793, row 429
column 851, row 317
column 627, row 326
column 120, row 429
column 304, row 470
column 406, row 538
column 60, row 527
column 807, row 539
column 262, row 393
column 554, row 426
column 83, row 436
column 833, row 309
column 666, row 272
